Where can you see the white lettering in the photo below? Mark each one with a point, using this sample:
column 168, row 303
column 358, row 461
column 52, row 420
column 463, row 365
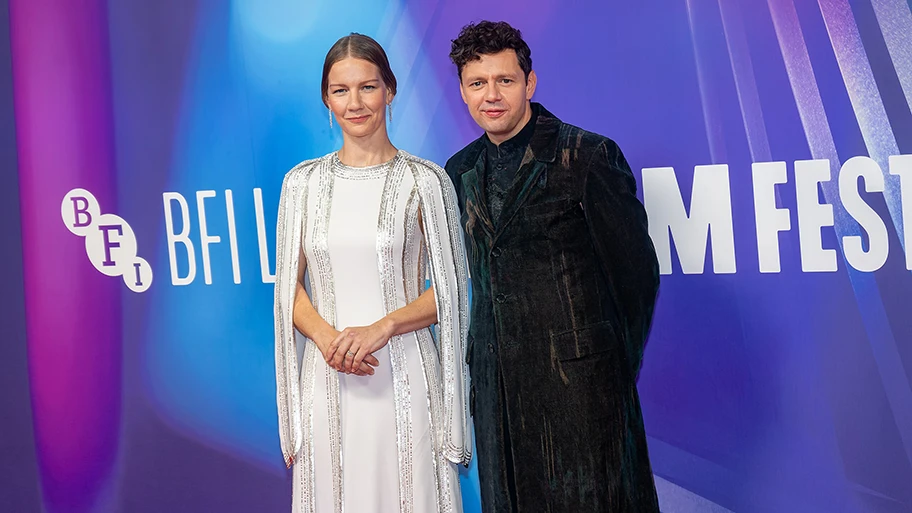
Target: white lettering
column 183, row 237
column 268, row 277
column 812, row 215
column 770, row 219
column 710, row 215
column 901, row 166
column 232, row 236
column 878, row 242
column 205, row 238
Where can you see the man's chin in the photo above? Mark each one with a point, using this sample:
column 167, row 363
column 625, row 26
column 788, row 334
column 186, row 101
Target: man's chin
column 493, row 128
column 486, row 124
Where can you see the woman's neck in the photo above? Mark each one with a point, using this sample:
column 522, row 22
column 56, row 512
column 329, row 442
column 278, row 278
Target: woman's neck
column 366, row 151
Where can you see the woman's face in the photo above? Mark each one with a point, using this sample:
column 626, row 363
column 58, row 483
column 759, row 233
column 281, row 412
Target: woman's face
column 358, row 97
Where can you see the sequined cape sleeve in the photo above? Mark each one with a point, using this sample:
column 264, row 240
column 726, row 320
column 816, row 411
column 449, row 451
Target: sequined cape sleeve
column 290, row 222
column 442, row 231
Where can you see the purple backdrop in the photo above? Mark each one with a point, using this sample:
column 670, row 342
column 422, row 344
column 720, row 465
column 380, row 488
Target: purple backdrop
column 763, row 389
column 20, row 490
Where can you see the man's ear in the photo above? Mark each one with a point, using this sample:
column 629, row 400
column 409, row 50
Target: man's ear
column 531, row 82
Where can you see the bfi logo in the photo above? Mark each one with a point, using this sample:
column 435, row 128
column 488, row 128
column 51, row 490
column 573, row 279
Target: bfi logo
column 109, row 240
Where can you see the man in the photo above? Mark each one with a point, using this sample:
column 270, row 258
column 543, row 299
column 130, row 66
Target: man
column 564, row 279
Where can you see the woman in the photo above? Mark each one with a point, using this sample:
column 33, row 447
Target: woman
column 376, row 418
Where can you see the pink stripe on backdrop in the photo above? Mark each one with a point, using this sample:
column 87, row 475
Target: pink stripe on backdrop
column 61, row 84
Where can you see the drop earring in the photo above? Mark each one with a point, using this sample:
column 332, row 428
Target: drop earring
column 330, row 118
column 390, row 109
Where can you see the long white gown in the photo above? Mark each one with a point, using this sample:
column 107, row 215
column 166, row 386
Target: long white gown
column 388, row 442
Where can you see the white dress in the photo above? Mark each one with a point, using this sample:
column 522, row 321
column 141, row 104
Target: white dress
column 391, row 441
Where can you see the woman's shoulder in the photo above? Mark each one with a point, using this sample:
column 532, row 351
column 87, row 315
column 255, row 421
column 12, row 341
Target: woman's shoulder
column 423, row 164
column 306, row 167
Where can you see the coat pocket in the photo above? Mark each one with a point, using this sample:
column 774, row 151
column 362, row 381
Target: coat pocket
column 584, row 341
column 550, row 208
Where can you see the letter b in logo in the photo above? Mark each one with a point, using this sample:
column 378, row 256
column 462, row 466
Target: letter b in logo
column 80, row 211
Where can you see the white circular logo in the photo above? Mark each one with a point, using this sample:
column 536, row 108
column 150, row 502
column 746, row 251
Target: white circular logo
column 139, row 277
column 111, row 245
column 109, row 240
column 80, row 211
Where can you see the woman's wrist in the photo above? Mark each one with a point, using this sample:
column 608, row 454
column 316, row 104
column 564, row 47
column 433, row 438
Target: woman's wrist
column 388, row 326
column 325, row 336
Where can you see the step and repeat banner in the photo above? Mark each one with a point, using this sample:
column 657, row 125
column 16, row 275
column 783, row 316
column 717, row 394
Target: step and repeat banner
column 772, row 144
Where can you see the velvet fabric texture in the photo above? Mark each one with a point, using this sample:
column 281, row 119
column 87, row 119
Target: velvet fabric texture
column 563, row 290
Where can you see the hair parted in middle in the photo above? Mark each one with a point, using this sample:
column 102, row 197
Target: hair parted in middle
column 358, row 46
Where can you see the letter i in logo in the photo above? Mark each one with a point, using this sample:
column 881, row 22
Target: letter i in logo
column 109, row 240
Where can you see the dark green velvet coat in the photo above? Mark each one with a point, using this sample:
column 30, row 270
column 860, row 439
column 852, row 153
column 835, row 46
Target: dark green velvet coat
column 563, row 290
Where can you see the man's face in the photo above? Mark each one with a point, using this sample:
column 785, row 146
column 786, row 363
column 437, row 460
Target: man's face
column 497, row 93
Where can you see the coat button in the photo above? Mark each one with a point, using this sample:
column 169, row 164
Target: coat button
column 496, row 252
column 491, row 348
column 501, row 298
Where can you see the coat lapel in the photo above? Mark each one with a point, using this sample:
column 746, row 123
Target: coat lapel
column 541, row 152
column 477, row 216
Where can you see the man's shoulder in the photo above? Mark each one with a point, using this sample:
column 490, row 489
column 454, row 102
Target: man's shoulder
column 566, row 136
column 572, row 136
column 457, row 161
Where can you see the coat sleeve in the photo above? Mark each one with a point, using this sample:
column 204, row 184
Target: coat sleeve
column 288, row 242
column 440, row 216
column 619, row 232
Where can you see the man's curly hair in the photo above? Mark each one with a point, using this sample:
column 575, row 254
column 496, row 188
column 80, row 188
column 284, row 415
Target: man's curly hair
column 488, row 38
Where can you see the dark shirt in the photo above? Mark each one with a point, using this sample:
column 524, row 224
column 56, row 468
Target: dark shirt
column 501, row 165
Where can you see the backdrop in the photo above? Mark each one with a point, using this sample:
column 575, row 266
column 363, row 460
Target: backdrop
column 152, row 137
